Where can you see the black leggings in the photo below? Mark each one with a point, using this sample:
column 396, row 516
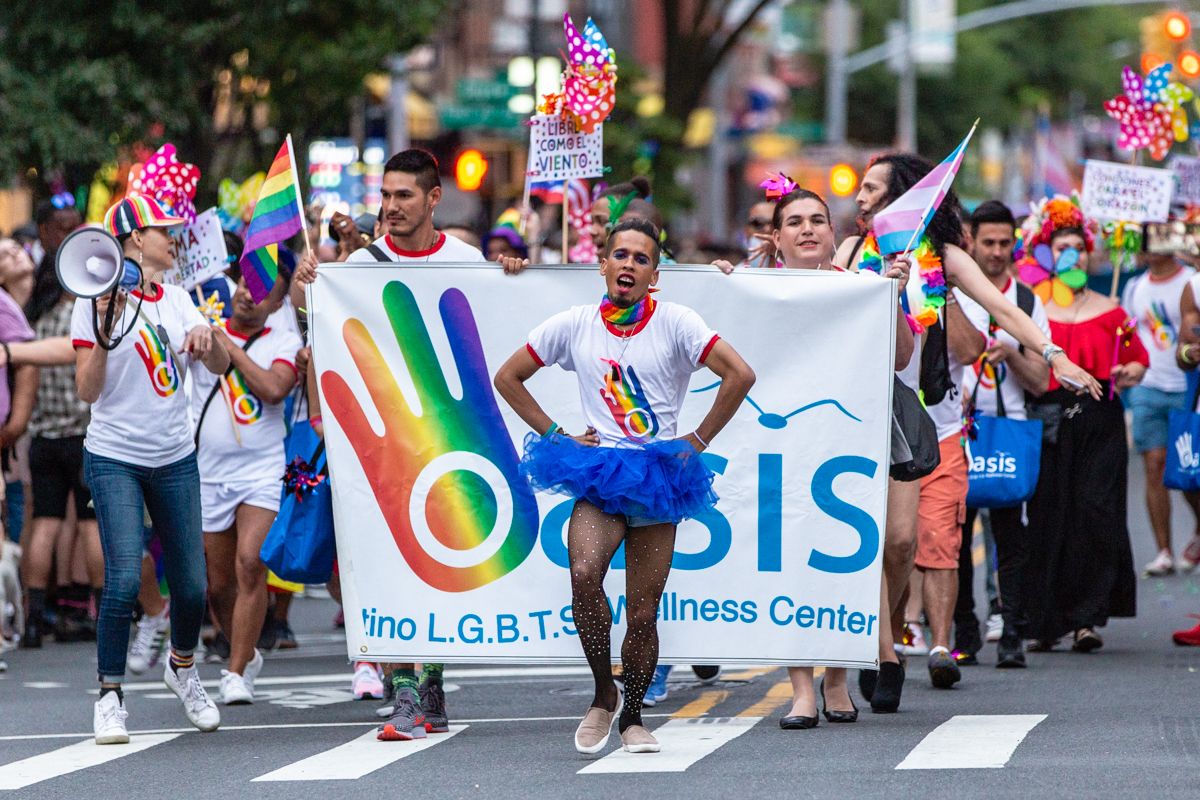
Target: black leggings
column 592, row 538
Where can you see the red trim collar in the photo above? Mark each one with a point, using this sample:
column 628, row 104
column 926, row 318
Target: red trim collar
column 1007, row 285
column 441, row 240
column 238, row 334
column 635, row 330
column 158, row 293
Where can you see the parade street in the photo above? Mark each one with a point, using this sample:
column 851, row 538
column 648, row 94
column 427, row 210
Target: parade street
column 1108, row 724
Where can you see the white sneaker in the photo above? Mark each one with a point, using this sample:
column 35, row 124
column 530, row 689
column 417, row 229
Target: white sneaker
column 147, row 642
column 234, row 691
column 250, row 673
column 200, row 710
column 914, row 640
column 108, row 720
column 1162, row 565
column 995, row 627
column 366, row 683
column 1191, row 555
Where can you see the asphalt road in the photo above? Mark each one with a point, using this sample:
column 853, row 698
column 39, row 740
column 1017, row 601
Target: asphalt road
column 1118, row 723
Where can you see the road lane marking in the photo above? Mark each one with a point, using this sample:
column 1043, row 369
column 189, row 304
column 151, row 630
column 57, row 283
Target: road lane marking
column 702, row 704
column 507, row 673
column 684, row 742
column 356, row 758
column 748, row 674
column 73, row 758
column 776, row 696
column 984, row 741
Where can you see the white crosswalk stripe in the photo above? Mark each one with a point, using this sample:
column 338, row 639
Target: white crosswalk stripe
column 355, row 758
column 985, row 741
column 73, row 758
column 684, row 742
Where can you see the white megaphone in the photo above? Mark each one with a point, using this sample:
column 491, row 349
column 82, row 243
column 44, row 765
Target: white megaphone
column 91, row 263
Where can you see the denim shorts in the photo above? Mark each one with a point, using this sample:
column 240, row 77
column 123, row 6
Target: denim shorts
column 1151, row 414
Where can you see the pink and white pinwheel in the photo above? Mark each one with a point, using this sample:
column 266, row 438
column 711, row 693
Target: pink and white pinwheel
column 1146, row 122
column 590, row 84
column 167, row 180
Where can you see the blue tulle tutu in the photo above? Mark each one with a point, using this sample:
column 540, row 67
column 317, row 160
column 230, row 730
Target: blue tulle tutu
column 665, row 481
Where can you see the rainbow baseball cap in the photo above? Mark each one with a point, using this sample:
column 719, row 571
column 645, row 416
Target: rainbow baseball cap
column 136, row 212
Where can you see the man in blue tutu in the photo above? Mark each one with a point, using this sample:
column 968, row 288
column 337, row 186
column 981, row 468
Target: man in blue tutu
column 633, row 480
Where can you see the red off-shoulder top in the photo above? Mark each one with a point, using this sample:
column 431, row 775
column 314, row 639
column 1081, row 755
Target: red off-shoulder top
column 1097, row 344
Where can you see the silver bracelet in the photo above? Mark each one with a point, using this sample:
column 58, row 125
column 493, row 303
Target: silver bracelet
column 1050, row 351
column 698, row 439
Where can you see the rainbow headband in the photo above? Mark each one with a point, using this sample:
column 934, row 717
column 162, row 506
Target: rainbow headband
column 615, row 315
column 929, row 268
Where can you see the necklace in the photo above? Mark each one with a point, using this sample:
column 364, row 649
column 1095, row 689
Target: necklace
column 615, row 315
column 928, row 271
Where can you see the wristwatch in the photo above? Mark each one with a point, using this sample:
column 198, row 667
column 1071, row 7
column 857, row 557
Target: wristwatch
column 1050, row 351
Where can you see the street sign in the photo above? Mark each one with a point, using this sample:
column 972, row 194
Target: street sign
column 457, row 117
column 933, row 31
column 483, row 92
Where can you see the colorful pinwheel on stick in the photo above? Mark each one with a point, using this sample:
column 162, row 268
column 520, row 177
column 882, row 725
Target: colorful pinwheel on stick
column 167, row 180
column 1147, row 111
column 590, row 82
column 1052, row 278
column 1123, row 240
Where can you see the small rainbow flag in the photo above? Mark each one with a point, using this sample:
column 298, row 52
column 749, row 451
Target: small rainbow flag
column 277, row 217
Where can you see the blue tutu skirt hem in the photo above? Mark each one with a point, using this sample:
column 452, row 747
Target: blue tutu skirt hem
column 664, row 480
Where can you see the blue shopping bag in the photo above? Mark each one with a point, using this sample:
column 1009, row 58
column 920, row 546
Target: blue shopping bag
column 1183, row 448
column 299, row 547
column 1004, row 457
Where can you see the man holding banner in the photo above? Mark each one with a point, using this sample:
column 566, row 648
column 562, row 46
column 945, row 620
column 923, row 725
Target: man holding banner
column 633, row 481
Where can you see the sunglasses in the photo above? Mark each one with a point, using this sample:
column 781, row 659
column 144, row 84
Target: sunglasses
column 63, row 200
column 758, row 223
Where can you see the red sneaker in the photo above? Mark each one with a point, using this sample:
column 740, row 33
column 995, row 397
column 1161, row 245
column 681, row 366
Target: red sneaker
column 1188, row 638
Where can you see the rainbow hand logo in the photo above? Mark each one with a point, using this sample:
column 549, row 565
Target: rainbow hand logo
column 164, row 376
column 247, row 409
column 626, row 401
column 446, row 480
column 1162, row 330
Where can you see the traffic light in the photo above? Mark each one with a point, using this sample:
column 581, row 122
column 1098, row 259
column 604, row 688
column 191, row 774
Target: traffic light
column 469, row 170
column 842, row 180
column 1176, row 25
column 1189, row 64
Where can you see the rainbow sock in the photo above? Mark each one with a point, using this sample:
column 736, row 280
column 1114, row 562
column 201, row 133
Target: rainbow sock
column 182, row 660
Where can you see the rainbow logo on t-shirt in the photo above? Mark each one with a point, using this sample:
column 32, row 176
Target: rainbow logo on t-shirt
column 247, row 409
column 627, row 403
column 163, row 372
column 1162, row 331
column 989, row 375
column 446, row 480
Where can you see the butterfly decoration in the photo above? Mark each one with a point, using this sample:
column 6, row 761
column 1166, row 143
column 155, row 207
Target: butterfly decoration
column 1053, row 279
column 589, row 85
column 235, row 202
column 778, row 186
column 1147, row 118
column 165, row 178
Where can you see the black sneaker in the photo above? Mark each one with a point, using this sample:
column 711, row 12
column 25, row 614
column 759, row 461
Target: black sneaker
column 943, row 671
column 286, row 640
column 69, row 628
column 218, row 650
column 1010, row 653
column 407, row 721
column 433, row 705
column 32, row 638
column 268, row 637
column 707, row 673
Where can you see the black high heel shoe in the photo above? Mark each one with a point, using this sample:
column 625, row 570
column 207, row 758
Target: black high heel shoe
column 799, row 723
column 834, row 715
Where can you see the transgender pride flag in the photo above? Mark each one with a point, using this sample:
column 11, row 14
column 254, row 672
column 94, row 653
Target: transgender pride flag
column 900, row 226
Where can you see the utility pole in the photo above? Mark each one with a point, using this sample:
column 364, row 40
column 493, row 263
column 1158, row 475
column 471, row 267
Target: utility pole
column 837, row 37
column 398, row 99
column 906, row 92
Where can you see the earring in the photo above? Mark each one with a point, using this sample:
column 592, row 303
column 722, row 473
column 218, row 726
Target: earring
column 141, row 255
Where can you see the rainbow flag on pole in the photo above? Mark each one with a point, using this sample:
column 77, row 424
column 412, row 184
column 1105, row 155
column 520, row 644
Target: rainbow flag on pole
column 900, row 226
column 278, row 215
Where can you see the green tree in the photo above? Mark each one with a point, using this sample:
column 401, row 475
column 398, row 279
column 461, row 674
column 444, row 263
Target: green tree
column 80, row 79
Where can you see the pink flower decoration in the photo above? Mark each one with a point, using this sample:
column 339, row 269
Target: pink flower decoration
column 778, row 186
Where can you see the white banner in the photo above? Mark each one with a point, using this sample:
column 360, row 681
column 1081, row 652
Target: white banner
column 446, row 555
column 1121, row 192
column 199, row 252
column 559, row 151
column 1187, row 179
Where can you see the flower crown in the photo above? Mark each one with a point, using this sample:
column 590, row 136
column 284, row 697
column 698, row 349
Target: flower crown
column 1053, row 213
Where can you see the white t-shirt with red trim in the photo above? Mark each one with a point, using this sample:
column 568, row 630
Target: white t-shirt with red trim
column 259, row 456
column 1154, row 303
column 141, row 416
column 631, row 382
column 446, row 249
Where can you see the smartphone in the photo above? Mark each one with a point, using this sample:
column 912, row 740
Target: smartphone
column 1168, row 238
column 1071, row 383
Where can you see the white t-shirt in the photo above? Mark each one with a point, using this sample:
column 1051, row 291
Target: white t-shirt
column 631, row 383
column 141, row 416
column 947, row 415
column 1154, row 303
column 260, row 425
column 446, row 249
column 1010, row 388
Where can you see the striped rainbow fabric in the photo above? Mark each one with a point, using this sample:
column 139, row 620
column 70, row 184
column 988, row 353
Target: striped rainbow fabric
column 899, row 227
column 276, row 218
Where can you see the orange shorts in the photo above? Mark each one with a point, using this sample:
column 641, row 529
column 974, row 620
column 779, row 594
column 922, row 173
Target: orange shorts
column 943, row 508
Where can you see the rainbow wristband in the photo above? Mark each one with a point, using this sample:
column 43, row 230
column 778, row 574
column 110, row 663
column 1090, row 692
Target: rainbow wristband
column 315, row 419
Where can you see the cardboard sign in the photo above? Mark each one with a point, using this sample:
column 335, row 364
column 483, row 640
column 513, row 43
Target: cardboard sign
column 1120, row 192
column 1187, row 179
column 199, row 252
column 558, row 151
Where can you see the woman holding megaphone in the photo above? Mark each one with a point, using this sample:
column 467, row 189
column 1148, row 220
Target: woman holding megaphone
column 131, row 350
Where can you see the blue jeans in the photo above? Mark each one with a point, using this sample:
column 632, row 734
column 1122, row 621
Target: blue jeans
column 171, row 494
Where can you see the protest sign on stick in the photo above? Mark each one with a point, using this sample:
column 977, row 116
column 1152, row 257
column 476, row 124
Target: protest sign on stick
column 199, row 252
column 560, row 152
column 1119, row 192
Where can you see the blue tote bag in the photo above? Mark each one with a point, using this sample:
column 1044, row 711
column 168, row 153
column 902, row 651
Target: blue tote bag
column 1004, row 457
column 300, row 545
column 1183, row 447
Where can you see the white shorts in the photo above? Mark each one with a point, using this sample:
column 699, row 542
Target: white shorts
column 219, row 501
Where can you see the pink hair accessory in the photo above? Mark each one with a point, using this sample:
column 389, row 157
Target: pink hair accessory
column 778, row 186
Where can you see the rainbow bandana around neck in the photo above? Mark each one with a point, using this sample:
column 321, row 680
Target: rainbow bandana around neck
column 615, row 315
column 928, row 270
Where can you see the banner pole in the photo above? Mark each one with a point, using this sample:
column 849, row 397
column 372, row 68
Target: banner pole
column 566, row 216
